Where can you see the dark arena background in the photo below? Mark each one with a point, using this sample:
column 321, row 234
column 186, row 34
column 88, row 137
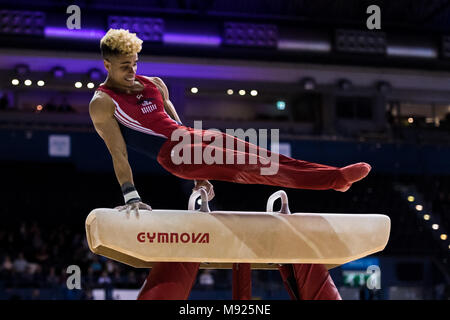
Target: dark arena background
column 339, row 88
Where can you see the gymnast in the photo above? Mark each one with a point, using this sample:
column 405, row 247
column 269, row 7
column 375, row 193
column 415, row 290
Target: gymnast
column 134, row 111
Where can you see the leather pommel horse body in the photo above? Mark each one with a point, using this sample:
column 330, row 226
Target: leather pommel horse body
column 221, row 239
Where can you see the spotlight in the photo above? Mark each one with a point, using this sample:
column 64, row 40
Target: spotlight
column 383, row 87
column 426, row 217
column 254, row 93
column 90, row 85
column 250, row 34
column 199, row 201
column 78, row 84
column 443, row 236
column 22, row 69
column 28, row 82
column 281, row 105
column 95, row 74
column 344, row 84
column 242, row 92
column 39, row 107
column 355, row 41
column 308, row 83
column 410, row 198
column 410, row 120
column 58, row 72
column 230, row 92
column 419, row 207
column 15, row 82
column 435, row 226
column 194, row 90
column 40, row 83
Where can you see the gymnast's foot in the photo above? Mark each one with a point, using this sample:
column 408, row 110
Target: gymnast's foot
column 353, row 173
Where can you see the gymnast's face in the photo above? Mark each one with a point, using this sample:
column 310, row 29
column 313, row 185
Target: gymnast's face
column 122, row 69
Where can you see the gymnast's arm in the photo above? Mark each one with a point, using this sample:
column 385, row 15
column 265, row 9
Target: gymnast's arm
column 101, row 110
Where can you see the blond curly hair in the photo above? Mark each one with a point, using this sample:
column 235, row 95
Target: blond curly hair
column 120, row 41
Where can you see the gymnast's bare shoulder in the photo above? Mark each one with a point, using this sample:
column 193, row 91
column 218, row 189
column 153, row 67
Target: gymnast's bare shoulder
column 101, row 104
column 101, row 111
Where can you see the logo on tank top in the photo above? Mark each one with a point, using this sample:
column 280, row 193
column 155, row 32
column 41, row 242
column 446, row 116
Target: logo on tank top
column 147, row 106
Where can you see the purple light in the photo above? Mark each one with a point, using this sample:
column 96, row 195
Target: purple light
column 84, row 34
column 192, row 39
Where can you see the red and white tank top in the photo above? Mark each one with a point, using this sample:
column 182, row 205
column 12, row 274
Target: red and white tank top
column 142, row 111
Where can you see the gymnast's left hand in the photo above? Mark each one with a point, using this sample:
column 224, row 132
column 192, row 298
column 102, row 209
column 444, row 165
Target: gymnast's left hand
column 208, row 187
column 134, row 206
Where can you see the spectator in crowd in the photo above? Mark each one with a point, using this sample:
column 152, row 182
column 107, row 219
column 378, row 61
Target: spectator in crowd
column 104, row 279
column 52, row 279
column 110, row 267
column 50, row 106
column 7, row 265
column 117, row 279
column 206, row 279
column 4, row 102
column 20, row 263
column 65, row 106
column 95, row 265
column 90, row 278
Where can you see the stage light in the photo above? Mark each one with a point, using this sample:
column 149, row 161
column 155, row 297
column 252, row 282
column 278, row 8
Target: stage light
column 90, row 85
column 308, row 83
column 250, row 35
column 147, row 29
column 443, row 236
column 410, row 198
column 344, row 84
column 410, row 120
column 199, row 201
column 281, row 105
column 230, row 92
column 17, row 22
column 383, row 87
column 426, row 217
column 15, row 82
column 419, row 207
column 95, row 74
column 254, row 93
column 40, row 83
column 78, row 84
column 22, row 69
column 194, row 90
column 435, row 226
column 58, row 72
column 28, row 82
column 242, row 92
column 355, row 41
column 39, row 107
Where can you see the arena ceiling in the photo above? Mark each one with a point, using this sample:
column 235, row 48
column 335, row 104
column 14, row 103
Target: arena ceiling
column 427, row 15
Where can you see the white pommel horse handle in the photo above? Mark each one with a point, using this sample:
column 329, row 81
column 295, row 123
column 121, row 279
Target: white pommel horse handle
column 284, row 202
column 193, row 198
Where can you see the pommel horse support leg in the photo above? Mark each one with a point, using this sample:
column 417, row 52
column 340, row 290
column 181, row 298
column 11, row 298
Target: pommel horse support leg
column 176, row 243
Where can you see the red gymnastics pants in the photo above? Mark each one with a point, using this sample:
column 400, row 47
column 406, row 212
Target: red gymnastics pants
column 174, row 280
column 291, row 173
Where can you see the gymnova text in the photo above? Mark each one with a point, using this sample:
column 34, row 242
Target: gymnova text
column 214, row 147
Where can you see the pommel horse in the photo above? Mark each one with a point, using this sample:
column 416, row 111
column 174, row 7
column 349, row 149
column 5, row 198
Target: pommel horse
column 240, row 241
